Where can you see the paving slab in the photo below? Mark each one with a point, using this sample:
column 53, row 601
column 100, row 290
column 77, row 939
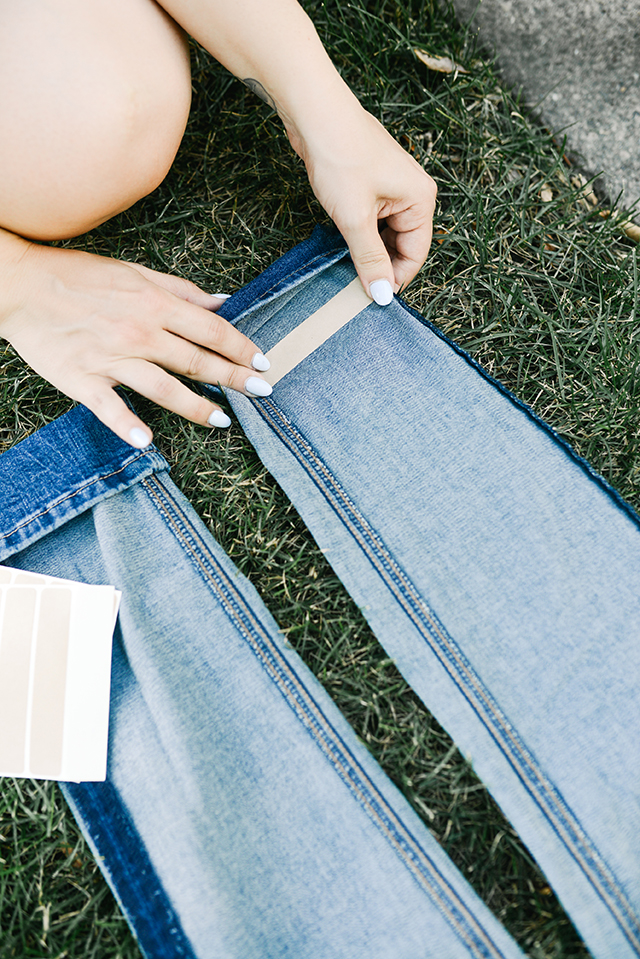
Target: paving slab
column 577, row 63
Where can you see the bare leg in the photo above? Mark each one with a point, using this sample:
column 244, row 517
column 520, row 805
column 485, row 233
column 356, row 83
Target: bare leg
column 94, row 99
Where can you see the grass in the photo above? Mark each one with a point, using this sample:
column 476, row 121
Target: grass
column 544, row 293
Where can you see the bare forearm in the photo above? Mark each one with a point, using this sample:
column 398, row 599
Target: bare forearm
column 12, row 251
column 360, row 175
column 274, row 45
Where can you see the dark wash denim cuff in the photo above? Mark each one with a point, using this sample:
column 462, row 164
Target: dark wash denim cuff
column 324, row 247
column 62, row 471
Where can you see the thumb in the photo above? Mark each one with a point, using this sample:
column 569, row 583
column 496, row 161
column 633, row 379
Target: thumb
column 371, row 260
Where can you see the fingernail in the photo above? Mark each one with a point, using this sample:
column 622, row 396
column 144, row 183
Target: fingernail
column 218, row 418
column 138, row 438
column 260, row 363
column 257, row 386
column 381, row 291
column 221, row 296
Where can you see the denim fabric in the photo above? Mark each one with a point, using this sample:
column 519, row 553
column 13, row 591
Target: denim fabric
column 241, row 816
column 495, row 567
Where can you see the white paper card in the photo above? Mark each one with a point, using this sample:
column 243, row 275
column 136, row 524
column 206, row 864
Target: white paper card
column 55, row 673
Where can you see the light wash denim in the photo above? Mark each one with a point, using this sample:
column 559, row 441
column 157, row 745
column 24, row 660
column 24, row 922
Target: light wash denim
column 496, row 568
column 241, row 816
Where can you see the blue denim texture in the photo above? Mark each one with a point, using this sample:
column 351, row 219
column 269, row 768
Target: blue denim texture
column 241, row 816
column 497, row 569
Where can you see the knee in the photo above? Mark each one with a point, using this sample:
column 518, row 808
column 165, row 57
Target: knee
column 77, row 152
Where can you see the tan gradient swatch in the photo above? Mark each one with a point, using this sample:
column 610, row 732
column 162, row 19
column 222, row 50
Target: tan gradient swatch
column 15, row 661
column 49, row 682
column 29, row 579
column 315, row 330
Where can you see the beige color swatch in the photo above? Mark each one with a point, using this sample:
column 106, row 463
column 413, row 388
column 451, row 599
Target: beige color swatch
column 55, row 667
column 316, row 330
column 15, row 667
column 49, row 682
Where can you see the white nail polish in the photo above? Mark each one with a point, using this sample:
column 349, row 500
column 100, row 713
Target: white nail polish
column 221, row 296
column 257, row 386
column 138, row 438
column 220, row 419
column 381, row 291
column 260, row 363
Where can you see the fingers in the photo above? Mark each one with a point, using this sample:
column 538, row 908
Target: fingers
column 87, row 324
column 192, row 317
column 205, row 329
column 371, row 260
column 408, row 250
column 387, row 262
column 188, row 340
column 115, row 414
column 408, row 231
column 373, row 180
column 156, row 385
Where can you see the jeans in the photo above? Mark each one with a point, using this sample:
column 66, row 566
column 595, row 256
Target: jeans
column 241, row 816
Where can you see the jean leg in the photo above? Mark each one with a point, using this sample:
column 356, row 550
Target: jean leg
column 263, row 827
column 499, row 572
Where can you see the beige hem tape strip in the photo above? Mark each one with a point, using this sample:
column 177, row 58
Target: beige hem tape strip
column 315, row 330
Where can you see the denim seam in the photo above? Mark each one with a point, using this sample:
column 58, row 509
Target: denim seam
column 531, row 414
column 68, row 496
column 89, row 802
column 303, row 272
column 547, row 797
column 307, row 711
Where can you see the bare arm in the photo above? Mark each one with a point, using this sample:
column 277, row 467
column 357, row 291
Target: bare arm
column 75, row 150
column 358, row 172
column 88, row 323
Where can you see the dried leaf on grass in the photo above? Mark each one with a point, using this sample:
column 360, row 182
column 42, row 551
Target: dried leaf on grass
column 440, row 64
column 586, row 190
column 631, row 229
column 546, row 194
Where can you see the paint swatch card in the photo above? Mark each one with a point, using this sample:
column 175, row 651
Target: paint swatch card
column 55, row 671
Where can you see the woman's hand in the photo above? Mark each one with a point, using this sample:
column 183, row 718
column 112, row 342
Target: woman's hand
column 87, row 324
column 363, row 177
column 358, row 172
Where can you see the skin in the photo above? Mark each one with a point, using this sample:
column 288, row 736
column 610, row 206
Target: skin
column 95, row 102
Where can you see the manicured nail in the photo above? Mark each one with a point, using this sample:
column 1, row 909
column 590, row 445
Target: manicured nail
column 221, row 296
column 381, row 291
column 260, row 363
column 257, row 386
column 138, row 438
column 218, row 418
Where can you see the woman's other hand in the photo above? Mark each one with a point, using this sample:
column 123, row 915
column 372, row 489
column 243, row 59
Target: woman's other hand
column 87, row 324
column 360, row 175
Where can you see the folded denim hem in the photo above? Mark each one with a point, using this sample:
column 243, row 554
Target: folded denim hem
column 71, row 464
column 324, row 247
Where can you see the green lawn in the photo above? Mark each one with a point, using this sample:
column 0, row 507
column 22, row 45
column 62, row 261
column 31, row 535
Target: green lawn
column 542, row 292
